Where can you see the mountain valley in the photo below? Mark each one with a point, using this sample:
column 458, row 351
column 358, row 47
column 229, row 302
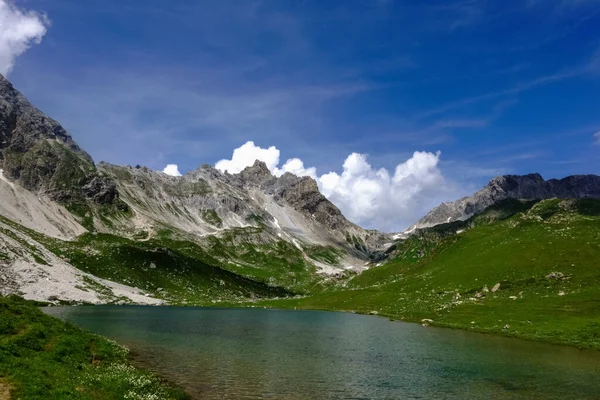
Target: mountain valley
column 75, row 232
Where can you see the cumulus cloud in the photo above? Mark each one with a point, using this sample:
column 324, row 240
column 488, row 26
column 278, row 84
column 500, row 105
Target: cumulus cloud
column 380, row 199
column 172, row 169
column 246, row 154
column 19, row 29
column 296, row 167
column 370, row 197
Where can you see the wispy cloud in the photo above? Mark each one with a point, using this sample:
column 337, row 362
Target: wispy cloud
column 564, row 5
column 437, row 132
column 597, row 138
column 510, row 148
column 466, row 172
column 469, row 13
column 573, row 161
column 457, row 15
column 576, row 3
column 530, row 155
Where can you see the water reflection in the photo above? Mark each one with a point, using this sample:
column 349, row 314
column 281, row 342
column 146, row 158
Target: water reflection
column 274, row 354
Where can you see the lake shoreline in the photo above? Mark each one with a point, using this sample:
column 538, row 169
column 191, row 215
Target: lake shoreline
column 42, row 356
column 205, row 349
column 508, row 333
column 276, row 305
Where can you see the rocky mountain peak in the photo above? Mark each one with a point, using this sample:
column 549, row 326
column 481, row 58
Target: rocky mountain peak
column 41, row 156
column 302, row 193
column 530, row 186
column 257, row 174
column 303, row 184
column 22, row 125
column 521, row 187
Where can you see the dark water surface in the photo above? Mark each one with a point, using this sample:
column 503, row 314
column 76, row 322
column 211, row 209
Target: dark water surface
column 276, row 354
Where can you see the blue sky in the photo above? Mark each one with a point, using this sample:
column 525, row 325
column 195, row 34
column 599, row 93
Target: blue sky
column 496, row 87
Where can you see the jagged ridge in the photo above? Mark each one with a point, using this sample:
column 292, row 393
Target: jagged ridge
column 41, row 156
column 525, row 187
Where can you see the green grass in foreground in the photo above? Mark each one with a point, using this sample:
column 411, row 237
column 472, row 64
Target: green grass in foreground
column 443, row 276
column 44, row 358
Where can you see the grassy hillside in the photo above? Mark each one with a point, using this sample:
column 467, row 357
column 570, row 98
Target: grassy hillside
column 44, row 358
column 238, row 265
column 543, row 257
column 278, row 263
column 178, row 271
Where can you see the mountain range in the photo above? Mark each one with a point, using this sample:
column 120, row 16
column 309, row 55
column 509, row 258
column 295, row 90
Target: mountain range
column 71, row 230
column 525, row 187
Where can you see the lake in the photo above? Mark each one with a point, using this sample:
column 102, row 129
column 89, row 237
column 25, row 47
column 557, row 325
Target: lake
column 280, row 354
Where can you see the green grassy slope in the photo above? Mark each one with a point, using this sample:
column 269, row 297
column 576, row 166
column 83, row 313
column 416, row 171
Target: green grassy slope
column 545, row 256
column 178, row 271
column 278, row 263
column 44, row 358
column 238, row 265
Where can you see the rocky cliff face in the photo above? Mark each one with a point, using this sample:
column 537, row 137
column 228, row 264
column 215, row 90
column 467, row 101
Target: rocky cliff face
column 526, row 187
column 39, row 154
column 258, row 228
column 300, row 193
column 252, row 207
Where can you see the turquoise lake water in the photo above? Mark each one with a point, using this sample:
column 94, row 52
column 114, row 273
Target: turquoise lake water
column 281, row 354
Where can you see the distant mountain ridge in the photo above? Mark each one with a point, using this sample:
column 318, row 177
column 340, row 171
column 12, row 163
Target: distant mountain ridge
column 38, row 154
column 521, row 187
column 207, row 202
column 76, row 231
column 261, row 233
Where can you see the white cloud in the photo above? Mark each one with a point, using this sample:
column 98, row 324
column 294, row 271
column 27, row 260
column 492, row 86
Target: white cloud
column 245, row 156
column 19, row 29
column 296, row 167
column 597, row 137
column 376, row 198
column 172, row 169
column 373, row 198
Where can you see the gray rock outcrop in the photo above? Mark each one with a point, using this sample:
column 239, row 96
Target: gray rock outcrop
column 41, row 156
column 521, row 187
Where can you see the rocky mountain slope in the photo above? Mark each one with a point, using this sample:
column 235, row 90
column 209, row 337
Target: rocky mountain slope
column 74, row 231
column 277, row 231
column 40, row 156
column 207, row 202
column 28, row 266
column 526, row 187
